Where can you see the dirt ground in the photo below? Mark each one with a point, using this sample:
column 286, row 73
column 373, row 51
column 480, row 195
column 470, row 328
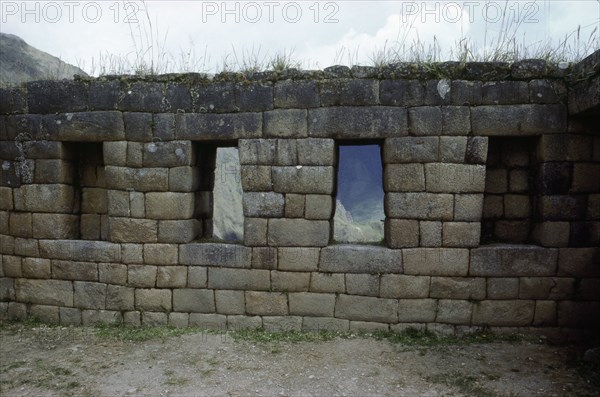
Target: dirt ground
column 58, row 361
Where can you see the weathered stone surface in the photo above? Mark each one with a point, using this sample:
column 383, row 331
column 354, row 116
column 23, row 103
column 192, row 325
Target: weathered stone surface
column 20, row 224
column 282, row 323
column 170, row 205
column 357, row 122
column 436, row 261
column 89, row 295
column 456, row 120
column 552, row 234
column 68, row 270
column 461, row 234
column 266, row 303
column 316, row 151
column 52, row 171
column 458, row 288
column 504, row 92
column 110, row 273
column 153, row 299
column 318, row 206
column 519, row 119
column 257, row 151
column 477, row 150
column 264, row 258
column 503, row 313
column 86, row 126
column 327, row 282
column 26, row 247
column 46, row 314
column 44, row 292
column 425, row 120
column 78, row 250
column 255, row 231
column 579, row 262
column 453, row 149
column 139, row 179
column 297, row 94
column 349, row 92
column 179, row 231
column 360, row 259
column 298, row 259
column 101, row 317
column 454, row 311
column 143, row 276
column 208, row 254
column 129, row 230
column 197, row 277
column 230, row 302
column 513, row 260
column 298, row 232
column 300, row 179
column 404, row 287
column 364, row 308
column 402, row 92
column 404, row 178
column 294, row 205
column 289, row 281
column 168, row 154
column 417, row 310
column 254, row 97
column 426, row 206
column 44, row 198
column 263, row 204
column 256, row 178
column 236, row 323
column 402, row 233
column 503, row 288
column 450, row 178
column 411, row 149
column 239, row 279
column 285, row 123
column 317, row 324
column 468, row 207
column 368, row 326
column 211, row 126
column 36, row 268
column 362, row 284
column 194, row 300
column 55, row 226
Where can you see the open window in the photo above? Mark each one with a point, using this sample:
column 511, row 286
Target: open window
column 359, row 214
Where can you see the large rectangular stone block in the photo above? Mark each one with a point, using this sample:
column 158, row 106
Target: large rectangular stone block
column 44, row 198
column 79, row 250
column 170, row 205
column 213, row 126
column 139, row 179
column 153, row 299
column 426, row 206
column 290, row 281
column 298, row 233
column 239, row 279
column 454, row 178
column 360, row 259
column 257, row 151
column 285, row 123
column 209, row 254
column 425, row 120
column 436, row 261
column 349, row 92
column 69, row 270
column 36, row 268
column 142, row 276
column 299, row 94
column 402, row 233
column 298, row 259
column 88, row 295
column 55, row 226
column 411, row 149
column 454, row 311
column 519, row 119
column 513, row 261
column 417, row 310
column 362, row 284
column 357, row 122
column 316, row 151
column 179, row 231
column 458, row 288
column 45, row 292
column 402, row 92
column 230, row 302
column 311, row 304
column 404, row 178
column 256, row 178
column 254, row 96
column 309, row 179
column 461, row 234
column 194, row 300
column 404, row 287
column 263, row 204
column 120, row 298
column 168, row 154
column 511, row 313
column 86, row 126
column 266, row 303
column 130, row 230
column 365, row 308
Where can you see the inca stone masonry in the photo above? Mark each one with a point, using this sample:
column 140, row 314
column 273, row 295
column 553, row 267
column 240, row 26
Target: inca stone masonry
column 492, row 199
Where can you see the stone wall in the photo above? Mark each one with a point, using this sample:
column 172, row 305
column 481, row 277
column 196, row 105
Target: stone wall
column 106, row 199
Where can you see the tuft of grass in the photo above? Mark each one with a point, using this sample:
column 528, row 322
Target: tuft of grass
column 263, row 336
column 142, row 334
column 416, row 337
column 466, row 384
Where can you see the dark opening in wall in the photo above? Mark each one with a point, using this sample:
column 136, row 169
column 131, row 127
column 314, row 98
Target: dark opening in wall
column 509, row 190
column 359, row 215
column 219, row 195
column 89, row 182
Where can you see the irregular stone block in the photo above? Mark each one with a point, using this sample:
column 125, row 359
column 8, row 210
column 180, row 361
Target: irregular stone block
column 142, row 96
column 404, row 178
column 230, row 302
column 454, row 311
column 153, row 299
column 139, row 179
column 360, row 259
column 299, row 94
column 266, row 303
column 450, row 178
column 453, row 149
column 54, row 96
column 318, row 324
column 513, row 260
column 316, row 151
column 294, row 205
column 254, row 97
column 197, row 277
column 255, row 231
column 160, row 254
column 327, row 282
column 458, row 288
column 212, row 126
column 138, row 126
column 405, row 287
column 436, row 261
column 503, row 288
column 209, row 254
column 20, row 224
column 169, row 205
column 68, row 270
column 318, row 206
column 129, row 230
column 427, row 206
column 519, row 120
column 552, row 288
column 263, row 204
column 282, row 323
column 504, row 92
column 179, row 231
column 461, row 234
column 402, row 233
column 425, row 120
column 298, row 233
column 257, row 151
column 142, row 276
column 168, row 154
column 289, row 281
column 36, row 268
column 256, row 178
column 312, row 304
column 362, row 284
column 44, row 198
column 239, row 279
column 110, row 273
column 511, row 313
column 477, row 150
column 194, row 300
column 264, row 258
column 364, row 308
column 357, row 122
column 456, row 120
column 402, row 92
column 285, row 123
column 89, row 295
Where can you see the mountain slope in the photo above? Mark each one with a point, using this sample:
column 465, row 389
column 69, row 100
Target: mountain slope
column 20, row 62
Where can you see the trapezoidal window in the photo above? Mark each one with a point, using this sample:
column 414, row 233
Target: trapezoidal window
column 359, row 215
column 219, row 195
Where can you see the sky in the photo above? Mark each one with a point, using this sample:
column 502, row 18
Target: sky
column 209, row 36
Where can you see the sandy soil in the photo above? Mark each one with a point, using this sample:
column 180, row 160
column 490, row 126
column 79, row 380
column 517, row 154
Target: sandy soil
column 58, row 361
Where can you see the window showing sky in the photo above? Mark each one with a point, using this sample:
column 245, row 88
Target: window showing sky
column 211, row 36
